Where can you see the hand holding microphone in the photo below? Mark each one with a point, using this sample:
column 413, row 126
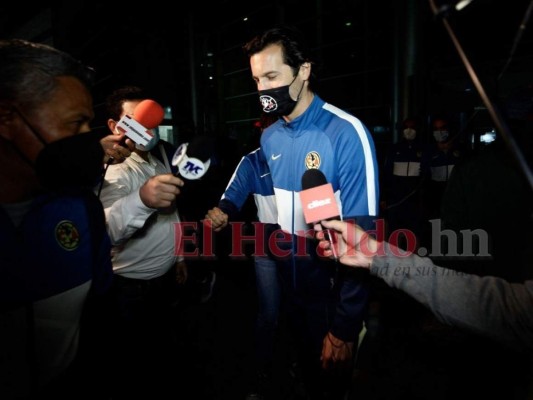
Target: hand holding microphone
column 319, row 204
column 147, row 115
column 160, row 191
column 356, row 248
column 115, row 148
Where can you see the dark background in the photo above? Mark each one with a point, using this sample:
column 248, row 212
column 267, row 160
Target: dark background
column 380, row 60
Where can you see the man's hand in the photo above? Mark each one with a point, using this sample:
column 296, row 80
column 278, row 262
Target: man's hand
column 336, row 353
column 114, row 152
column 355, row 247
column 218, row 219
column 160, row 191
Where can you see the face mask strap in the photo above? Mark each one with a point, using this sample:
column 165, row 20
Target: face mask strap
column 300, row 92
column 293, row 79
column 301, row 89
column 35, row 133
column 32, row 129
column 22, row 155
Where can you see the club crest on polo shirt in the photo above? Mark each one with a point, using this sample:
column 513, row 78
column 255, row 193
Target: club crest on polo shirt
column 312, row 160
column 67, row 235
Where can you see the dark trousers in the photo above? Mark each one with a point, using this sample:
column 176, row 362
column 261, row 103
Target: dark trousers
column 143, row 336
column 310, row 304
column 268, row 298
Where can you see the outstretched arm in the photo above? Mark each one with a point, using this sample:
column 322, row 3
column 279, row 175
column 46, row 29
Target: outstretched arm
column 486, row 305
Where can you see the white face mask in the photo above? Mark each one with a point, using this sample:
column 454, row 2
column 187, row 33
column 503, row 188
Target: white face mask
column 151, row 144
column 148, row 146
column 441, row 136
column 409, row 133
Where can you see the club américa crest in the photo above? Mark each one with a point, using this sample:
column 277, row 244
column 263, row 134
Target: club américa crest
column 67, row 235
column 312, row 160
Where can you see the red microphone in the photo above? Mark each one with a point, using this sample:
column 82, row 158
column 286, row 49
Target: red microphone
column 147, row 115
column 318, row 202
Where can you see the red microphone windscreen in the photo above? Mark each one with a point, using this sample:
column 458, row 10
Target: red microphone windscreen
column 149, row 114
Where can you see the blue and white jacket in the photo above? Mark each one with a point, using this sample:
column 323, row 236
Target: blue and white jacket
column 333, row 141
column 338, row 144
column 251, row 176
column 53, row 251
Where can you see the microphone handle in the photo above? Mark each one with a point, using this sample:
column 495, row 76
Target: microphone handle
column 123, row 141
column 330, row 236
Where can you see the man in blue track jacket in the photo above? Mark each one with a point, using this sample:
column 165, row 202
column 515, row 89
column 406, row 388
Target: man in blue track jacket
column 326, row 304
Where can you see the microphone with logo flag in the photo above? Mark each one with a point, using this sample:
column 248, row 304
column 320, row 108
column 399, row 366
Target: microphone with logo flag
column 193, row 159
column 318, row 202
column 147, row 115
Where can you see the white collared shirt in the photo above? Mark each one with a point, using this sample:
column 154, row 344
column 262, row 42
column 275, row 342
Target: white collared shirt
column 137, row 253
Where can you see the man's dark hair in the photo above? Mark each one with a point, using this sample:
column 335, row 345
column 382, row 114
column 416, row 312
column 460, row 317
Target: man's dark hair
column 293, row 44
column 29, row 71
column 118, row 97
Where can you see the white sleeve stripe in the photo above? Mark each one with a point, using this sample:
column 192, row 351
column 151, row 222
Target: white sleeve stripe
column 369, row 164
column 232, row 178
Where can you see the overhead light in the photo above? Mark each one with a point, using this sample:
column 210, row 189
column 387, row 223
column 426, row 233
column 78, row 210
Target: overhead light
column 445, row 8
column 462, row 4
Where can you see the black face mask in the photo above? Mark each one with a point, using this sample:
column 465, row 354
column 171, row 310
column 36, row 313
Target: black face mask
column 69, row 163
column 73, row 162
column 278, row 101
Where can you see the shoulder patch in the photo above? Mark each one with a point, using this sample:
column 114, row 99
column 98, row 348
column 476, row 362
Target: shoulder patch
column 312, row 160
column 67, row 235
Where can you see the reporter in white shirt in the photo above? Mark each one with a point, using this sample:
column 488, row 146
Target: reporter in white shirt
column 139, row 196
